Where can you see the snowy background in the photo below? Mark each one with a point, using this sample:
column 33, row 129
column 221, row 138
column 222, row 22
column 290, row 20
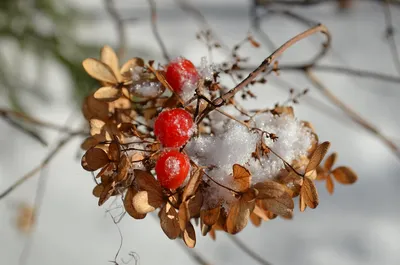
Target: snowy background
column 359, row 224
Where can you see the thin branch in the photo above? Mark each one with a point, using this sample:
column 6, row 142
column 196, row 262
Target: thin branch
column 351, row 113
column 248, row 251
column 119, row 25
column 193, row 254
column 153, row 10
column 390, row 34
column 38, row 168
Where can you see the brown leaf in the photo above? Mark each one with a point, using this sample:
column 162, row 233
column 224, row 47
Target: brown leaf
column 183, row 215
column 98, row 190
column 131, row 64
column 146, row 181
column 344, row 175
column 114, row 151
column 189, row 236
column 107, row 192
column 193, row 184
column 317, row 156
column 254, row 43
column 302, row 204
column 99, row 71
column 330, row 186
column 107, row 93
column 89, row 143
column 123, row 169
column 94, row 159
column 212, row 234
column 120, row 103
column 210, row 217
column 269, row 189
column 169, row 221
column 109, row 57
column 128, row 204
column 195, row 204
column 145, row 202
column 255, row 219
column 260, row 213
column 282, row 205
column 94, row 109
column 242, row 177
column 239, row 214
column 330, row 161
column 309, row 193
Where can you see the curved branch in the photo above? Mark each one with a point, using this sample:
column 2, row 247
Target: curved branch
column 153, row 10
column 248, row 251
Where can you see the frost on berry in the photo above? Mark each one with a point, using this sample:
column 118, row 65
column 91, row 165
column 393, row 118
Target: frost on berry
column 195, row 160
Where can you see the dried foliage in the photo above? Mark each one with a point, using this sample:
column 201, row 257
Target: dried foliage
column 122, row 149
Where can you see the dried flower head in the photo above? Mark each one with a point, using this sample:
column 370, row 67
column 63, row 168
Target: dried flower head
column 202, row 157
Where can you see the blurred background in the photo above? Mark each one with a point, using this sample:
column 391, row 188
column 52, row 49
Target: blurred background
column 42, row 44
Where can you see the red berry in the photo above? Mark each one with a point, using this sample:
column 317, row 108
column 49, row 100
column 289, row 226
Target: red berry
column 174, row 127
column 172, row 168
column 180, row 71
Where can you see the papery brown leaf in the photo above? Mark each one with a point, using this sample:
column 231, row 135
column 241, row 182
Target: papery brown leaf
column 99, row 71
column 98, row 190
column 302, row 204
column 114, row 151
column 193, row 184
column 269, row 189
column 94, row 109
column 123, row 169
column 212, row 234
column 169, row 221
column 317, row 156
column 107, row 93
column 107, row 192
column 183, row 215
column 120, row 103
column 330, row 186
column 260, row 213
column 210, row 217
column 255, row 219
column 242, row 178
column 254, row 43
column 94, row 158
column 309, row 193
column 96, row 126
column 284, row 110
column 205, row 229
column 128, row 204
column 283, row 205
column 89, row 143
column 239, row 214
column 330, row 161
column 195, row 204
column 344, row 175
column 108, row 56
column 189, row 236
column 131, row 63
column 145, row 202
column 146, row 181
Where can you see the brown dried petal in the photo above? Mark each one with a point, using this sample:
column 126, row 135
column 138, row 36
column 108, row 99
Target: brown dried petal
column 107, row 192
column 260, row 213
column 146, row 181
column 282, row 205
column 132, row 63
column 145, row 202
column 317, row 156
column 98, row 190
column 269, row 189
column 192, row 184
column 330, row 186
column 242, row 177
column 99, row 70
column 107, row 93
column 195, row 204
column 89, row 143
column 330, row 161
column 169, row 221
column 239, row 214
column 344, row 175
column 210, row 217
column 302, row 204
column 128, row 204
column 94, row 159
column 183, row 215
column 123, row 168
column 255, row 219
column 114, row 151
column 94, row 109
column 189, row 236
column 309, row 193
column 108, row 56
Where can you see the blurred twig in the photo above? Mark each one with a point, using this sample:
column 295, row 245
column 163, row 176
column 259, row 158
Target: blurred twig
column 390, row 34
column 119, row 25
column 153, row 11
column 248, row 251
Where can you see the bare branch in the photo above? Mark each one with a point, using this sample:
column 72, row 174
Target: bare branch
column 153, row 10
column 119, row 25
column 248, row 251
column 390, row 34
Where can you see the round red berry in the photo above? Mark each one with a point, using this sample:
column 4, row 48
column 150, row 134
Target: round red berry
column 172, row 168
column 174, row 127
column 179, row 72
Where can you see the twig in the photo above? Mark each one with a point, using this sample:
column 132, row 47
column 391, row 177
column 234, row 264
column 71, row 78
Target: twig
column 119, row 25
column 390, row 34
column 193, row 254
column 153, row 10
column 37, row 169
column 248, row 251
column 351, row 113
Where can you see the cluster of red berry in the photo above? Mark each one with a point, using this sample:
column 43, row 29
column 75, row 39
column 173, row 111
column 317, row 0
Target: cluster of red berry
column 174, row 127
